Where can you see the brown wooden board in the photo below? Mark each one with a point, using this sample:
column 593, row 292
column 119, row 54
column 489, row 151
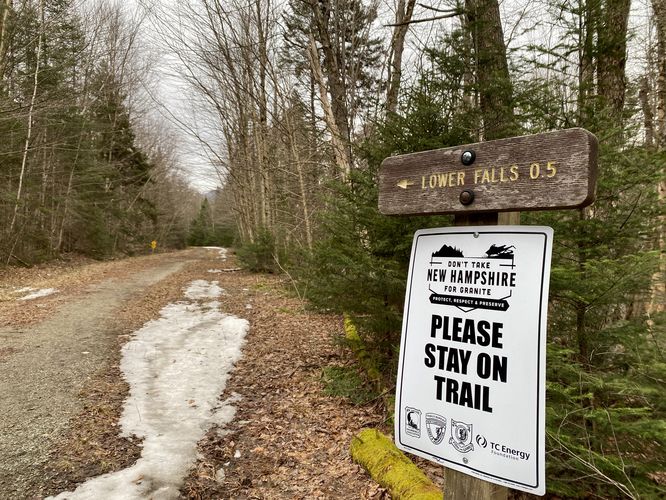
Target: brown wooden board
column 552, row 170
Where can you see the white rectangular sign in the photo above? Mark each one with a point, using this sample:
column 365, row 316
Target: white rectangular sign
column 471, row 377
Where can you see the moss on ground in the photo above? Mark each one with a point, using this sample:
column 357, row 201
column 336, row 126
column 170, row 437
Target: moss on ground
column 391, row 468
column 358, row 346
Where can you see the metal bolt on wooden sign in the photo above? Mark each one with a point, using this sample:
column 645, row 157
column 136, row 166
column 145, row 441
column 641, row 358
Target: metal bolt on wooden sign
column 470, row 393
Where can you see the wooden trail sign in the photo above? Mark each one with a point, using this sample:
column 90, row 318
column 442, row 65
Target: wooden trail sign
column 553, row 170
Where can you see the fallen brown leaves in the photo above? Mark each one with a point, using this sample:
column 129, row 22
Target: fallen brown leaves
column 288, row 439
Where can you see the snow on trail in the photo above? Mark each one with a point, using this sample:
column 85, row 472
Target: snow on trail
column 202, row 289
column 35, row 294
column 222, row 252
column 176, row 367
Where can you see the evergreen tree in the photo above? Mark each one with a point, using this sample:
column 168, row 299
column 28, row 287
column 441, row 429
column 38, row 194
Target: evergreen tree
column 201, row 228
column 603, row 404
column 74, row 176
column 350, row 54
column 359, row 264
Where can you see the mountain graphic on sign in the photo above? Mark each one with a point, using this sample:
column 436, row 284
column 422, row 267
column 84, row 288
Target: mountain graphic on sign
column 500, row 252
column 447, row 251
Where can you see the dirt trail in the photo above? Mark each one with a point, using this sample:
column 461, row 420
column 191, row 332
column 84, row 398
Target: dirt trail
column 62, row 391
column 48, row 365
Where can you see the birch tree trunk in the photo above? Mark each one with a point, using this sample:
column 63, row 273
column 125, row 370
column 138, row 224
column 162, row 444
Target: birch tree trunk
column 339, row 146
column 334, row 69
column 31, row 111
column 658, row 292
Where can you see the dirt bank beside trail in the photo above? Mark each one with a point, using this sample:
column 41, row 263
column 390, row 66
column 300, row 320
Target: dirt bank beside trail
column 62, row 392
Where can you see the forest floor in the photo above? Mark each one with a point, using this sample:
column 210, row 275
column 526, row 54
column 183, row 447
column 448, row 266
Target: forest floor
column 62, row 390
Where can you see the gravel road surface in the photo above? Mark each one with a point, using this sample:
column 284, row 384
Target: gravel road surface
column 62, row 391
column 49, row 364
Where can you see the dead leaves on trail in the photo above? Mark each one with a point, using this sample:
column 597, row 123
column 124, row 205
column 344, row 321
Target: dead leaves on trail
column 72, row 276
column 288, row 439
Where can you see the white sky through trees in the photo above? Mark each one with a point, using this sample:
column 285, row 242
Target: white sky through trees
column 527, row 23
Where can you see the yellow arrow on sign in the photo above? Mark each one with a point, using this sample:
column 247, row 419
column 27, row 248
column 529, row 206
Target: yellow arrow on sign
column 404, row 184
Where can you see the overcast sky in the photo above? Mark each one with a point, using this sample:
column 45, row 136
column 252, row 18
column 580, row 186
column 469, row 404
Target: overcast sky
column 525, row 22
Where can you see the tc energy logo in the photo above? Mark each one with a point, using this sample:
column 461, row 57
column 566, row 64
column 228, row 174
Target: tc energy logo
column 502, row 450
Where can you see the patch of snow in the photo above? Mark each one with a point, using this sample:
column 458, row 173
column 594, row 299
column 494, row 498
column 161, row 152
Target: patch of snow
column 222, row 252
column 176, row 367
column 202, row 289
column 215, row 271
column 39, row 293
column 237, row 454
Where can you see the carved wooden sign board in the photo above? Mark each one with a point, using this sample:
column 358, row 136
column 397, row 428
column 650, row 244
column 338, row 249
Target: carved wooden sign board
column 553, row 170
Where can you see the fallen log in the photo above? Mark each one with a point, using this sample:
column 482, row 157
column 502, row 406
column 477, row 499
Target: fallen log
column 387, row 465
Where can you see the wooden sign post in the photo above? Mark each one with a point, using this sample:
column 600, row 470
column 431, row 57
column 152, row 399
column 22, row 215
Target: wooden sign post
column 482, row 184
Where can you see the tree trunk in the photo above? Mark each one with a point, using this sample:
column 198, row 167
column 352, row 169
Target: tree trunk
column 492, row 69
column 262, row 155
column 403, row 15
column 5, row 7
column 586, row 65
column 301, row 181
column 31, row 111
column 612, row 54
column 334, row 71
column 340, row 149
column 659, row 8
column 658, row 292
column 648, row 115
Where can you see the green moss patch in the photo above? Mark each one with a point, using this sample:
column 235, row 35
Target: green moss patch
column 357, row 345
column 391, row 468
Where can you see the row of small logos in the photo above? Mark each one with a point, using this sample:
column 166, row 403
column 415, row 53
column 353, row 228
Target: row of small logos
column 461, row 437
column 461, row 433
